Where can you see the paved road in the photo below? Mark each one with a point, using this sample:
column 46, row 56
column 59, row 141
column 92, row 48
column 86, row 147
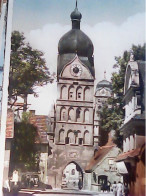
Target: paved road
column 61, row 193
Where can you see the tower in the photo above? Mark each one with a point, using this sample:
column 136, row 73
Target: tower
column 72, row 145
column 102, row 92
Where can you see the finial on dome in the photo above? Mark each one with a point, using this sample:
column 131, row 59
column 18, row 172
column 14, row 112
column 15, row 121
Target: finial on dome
column 76, row 4
column 105, row 75
column 76, row 15
column 131, row 55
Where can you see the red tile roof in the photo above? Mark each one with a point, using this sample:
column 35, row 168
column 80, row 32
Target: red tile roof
column 129, row 154
column 99, row 155
column 10, row 124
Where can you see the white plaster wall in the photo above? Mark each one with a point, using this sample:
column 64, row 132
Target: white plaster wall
column 102, row 168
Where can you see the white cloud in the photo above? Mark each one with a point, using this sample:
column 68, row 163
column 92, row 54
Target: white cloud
column 109, row 41
column 43, row 103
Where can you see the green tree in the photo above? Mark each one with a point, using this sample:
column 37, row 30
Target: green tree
column 112, row 114
column 24, row 152
column 27, row 69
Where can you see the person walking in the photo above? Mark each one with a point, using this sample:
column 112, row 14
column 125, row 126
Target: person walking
column 114, row 188
column 119, row 189
column 108, row 185
column 6, row 188
column 15, row 189
column 126, row 189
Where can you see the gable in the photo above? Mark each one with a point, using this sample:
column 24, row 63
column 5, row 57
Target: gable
column 103, row 92
column 131, row 76
column 76, row 70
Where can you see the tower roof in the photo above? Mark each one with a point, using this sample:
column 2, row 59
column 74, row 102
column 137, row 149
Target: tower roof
column 75, row 42
column 103, row 83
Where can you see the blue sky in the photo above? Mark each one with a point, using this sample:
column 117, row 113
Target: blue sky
column 112, row 25
column 40, row 12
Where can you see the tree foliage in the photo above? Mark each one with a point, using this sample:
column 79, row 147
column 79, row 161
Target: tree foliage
column 24, row 152
column 27, row 68
column 112, row 114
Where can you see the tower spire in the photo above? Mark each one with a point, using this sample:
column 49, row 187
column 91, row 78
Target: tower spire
column 105, row 75
column 76, row 17
column 76, row 4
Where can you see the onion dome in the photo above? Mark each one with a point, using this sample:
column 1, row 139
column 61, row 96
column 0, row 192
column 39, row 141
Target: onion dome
column 75, row 42
column 104, row 83
column 76, row 15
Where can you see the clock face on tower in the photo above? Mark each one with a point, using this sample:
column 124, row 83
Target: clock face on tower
column 76, row 70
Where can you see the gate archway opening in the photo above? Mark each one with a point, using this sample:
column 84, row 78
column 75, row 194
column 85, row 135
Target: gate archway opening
column 72, row 177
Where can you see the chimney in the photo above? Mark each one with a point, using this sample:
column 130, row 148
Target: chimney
column 32, row 112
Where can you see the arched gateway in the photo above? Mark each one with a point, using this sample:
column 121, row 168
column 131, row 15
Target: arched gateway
column 72, row 176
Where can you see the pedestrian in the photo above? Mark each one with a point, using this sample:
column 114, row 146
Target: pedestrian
column 114, row 188
column 126, row 189
column 104, row 186
column 28, row 181
column 31, row 182
column 15, row 177
column 15, row 189
column 6, row 188
column 108, row 185
column 119, row 189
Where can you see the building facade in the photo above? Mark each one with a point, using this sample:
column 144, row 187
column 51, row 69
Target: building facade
column 103, row 91
column 72, row 137
column 132, row 161
column 102, row 166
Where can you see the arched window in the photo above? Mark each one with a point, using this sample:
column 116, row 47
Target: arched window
column 64, row 93
column 73, row 172
column 61, row 136
column 86, row 137
column 86, row 115
column 87, row 94
column 78, row 137
column 71, row 137
column 63, row 114
column 71, row 114
column 71, row 93
column 79, row 93
column 78, row 115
